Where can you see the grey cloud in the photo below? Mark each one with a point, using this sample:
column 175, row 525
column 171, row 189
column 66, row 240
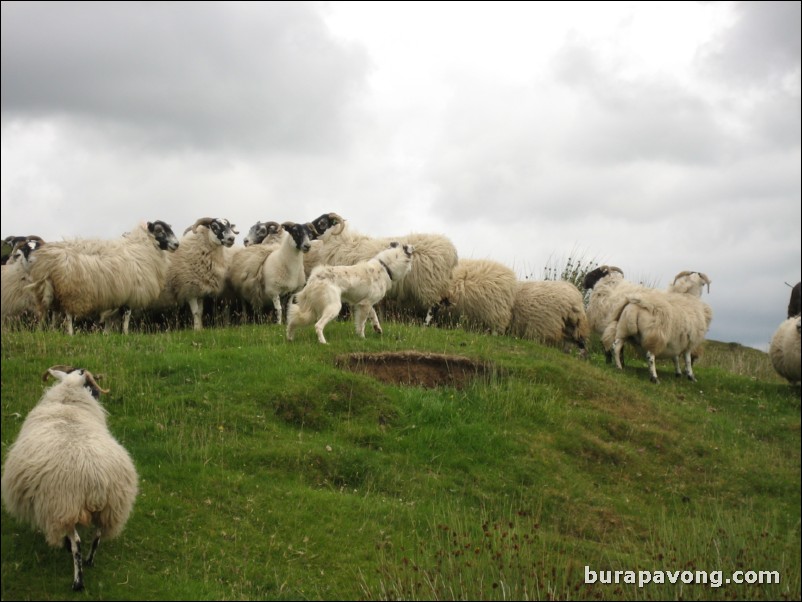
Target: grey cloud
column 256, row 76
column 763, row 44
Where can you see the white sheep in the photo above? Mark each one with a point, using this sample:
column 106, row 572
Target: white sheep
column 66, row 469
column 361, row 285
column 283, row 270
column 482, row 293
column 17, row 297
column 784, row 350
column 199, row 267
column 665, row 325
column 424, row 286
column 85, row 277
column 608, row 289
column 552, row 312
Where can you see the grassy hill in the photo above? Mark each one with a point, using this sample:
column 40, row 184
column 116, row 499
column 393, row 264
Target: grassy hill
column 270, row 471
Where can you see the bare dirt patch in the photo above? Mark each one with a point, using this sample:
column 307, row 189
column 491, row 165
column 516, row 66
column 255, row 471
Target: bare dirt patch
column 415, row 368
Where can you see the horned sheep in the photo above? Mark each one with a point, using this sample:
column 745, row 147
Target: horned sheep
column 608, row 288
column 200, row 266
column 361, row 285
column 665, row 324
column 66, row 469
column 85, row 277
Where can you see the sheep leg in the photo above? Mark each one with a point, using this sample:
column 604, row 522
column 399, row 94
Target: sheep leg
column 688, row 366
column 90, row 560
column 677, row 371
column 652, row 368
column 77, row 570
column 431, row 315
column 68, row 324
column 196, row 308
column 126, row 319
column 615, row 351
column 277, row 306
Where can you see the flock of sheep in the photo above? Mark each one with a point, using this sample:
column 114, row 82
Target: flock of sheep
column 150, row 269
column 66, row 469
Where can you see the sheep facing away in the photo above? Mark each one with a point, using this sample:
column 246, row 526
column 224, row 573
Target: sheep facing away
column 66, row 469
column 663, row 324
column 608, row 289
column 552, row 312
column 784, row 350
column 361, row 285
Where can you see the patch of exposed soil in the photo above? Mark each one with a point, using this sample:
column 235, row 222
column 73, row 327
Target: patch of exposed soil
column 415, row 368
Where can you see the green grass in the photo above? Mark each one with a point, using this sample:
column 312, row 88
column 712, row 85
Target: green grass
column 266, row 472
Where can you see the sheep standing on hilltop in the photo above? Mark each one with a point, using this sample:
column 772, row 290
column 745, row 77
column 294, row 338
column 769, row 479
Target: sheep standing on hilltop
column 481, row 293
column 784, row 350
column 85, row 277
column 608, row 289
column 66, row 469
column 665, row 324
column 550, row 311
column 17, row 297
column 200, row 267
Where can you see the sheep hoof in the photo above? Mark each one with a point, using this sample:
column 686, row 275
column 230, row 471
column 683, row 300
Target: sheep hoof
column 654, row 379
column 692, row 378
column 77, row 586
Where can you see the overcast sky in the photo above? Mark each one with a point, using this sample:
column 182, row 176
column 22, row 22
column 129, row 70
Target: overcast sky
column 658, row 137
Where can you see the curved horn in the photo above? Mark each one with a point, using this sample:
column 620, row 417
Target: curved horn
column 59, row 367
column 91, row 380
column 706, row 281
column 34, row 237
column 612, row 268
column 201, row 221
column 340, row 224
column 682, row 275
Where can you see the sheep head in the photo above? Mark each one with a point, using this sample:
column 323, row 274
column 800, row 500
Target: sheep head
column 260, row 231
column 592, row 277
column 61, row 372
column 694, row 277
column 326, row 222
column 223, row 230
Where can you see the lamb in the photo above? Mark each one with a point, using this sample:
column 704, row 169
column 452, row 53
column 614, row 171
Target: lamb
column 664, row 324
column 424, row 286
column 361, row 285
column 86, row 277
column 65, row 468
column 784, row 350
column 17, row 296
column 482, row 292
column 552, row 312
column 200, row 266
